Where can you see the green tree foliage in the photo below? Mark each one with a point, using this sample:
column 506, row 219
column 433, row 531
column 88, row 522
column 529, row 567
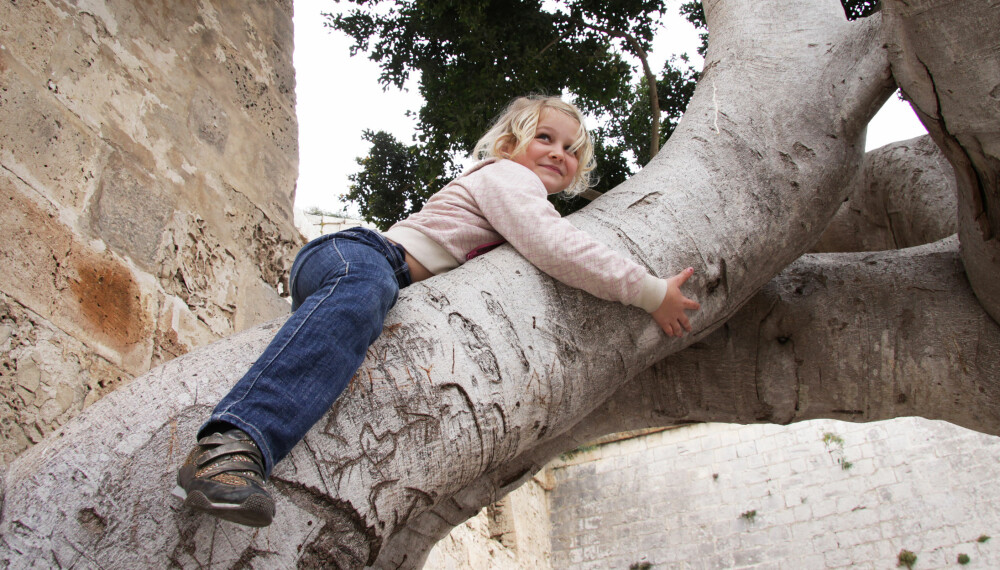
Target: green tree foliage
column 695, row 13
column 474, row 57
column 860, row 8
column 387, row 186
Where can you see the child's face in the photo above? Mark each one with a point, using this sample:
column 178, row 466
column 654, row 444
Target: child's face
column 548, row 154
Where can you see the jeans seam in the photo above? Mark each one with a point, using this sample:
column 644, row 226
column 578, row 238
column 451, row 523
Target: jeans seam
column 256, row 436
column 312, row 246
column 396, row 260
column 347, row 268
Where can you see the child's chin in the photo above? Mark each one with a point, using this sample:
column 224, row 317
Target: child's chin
column 553, row 186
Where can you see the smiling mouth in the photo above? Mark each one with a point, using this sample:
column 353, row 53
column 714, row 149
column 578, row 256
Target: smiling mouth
column 553, row 169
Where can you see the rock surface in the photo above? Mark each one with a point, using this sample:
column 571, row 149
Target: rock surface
column 148, row 156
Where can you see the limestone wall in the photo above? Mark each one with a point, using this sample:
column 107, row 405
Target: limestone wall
column 511, row 534
column 148, row 159
column 816, row 495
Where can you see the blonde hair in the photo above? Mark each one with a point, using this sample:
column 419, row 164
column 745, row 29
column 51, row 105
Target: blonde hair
column 514, row 129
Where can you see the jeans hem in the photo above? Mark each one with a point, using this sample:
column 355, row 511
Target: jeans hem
column 310, row 361
column 257, row 437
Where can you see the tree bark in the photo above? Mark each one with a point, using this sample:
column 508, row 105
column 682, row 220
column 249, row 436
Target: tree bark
column 473, row 371
column 903, row 197
column 945, row 55
column 896, row 199
column 791, row 354
column 845, row 337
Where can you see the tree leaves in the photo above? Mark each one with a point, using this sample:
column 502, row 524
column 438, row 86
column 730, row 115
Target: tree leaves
column 855, row 9
column 474, row 58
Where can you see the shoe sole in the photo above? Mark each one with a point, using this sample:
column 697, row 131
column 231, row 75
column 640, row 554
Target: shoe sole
column 256, row 511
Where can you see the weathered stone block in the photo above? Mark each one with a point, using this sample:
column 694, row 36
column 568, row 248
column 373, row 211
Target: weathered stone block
column 208, row 120
column 132, row 222
column 43, row 144
column 79, row 289
column 46, row 377
column 130, row 210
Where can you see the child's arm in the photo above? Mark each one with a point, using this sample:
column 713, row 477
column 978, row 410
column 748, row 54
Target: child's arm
column 513, row 201
column 670, row 314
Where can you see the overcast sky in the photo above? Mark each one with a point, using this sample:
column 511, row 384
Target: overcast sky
column 338, row 96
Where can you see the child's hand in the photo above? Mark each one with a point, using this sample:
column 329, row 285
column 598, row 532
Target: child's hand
column 670, row 314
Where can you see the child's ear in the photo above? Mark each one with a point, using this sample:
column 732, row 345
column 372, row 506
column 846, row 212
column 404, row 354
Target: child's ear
column 505, row 148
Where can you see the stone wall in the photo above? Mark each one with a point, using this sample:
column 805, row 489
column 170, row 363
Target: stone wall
column 820, row 494
column 511, row 534
column 148, row 159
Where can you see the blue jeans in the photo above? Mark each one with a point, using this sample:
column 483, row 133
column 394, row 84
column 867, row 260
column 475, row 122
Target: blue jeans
column 342, row 286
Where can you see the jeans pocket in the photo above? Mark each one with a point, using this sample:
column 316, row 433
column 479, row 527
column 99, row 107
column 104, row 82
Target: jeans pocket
column 317, row 262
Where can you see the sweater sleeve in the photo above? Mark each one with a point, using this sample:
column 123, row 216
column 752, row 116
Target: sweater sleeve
column 514, row 201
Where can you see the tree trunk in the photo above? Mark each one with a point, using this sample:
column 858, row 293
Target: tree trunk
column 944, row 55
column 721, row 378
column 903, row 197
column 492, row 361
column 791, row 354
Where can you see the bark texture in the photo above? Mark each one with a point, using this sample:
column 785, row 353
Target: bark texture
column 903, row 197
column 945, row 56
column 792, row 354
column 485, row 372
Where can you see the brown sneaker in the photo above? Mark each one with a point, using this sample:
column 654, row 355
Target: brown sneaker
column 224, row 477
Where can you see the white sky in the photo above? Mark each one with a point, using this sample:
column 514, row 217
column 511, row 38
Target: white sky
column 338, row 96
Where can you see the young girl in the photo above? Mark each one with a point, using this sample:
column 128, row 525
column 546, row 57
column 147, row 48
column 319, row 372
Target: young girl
column 344, row 284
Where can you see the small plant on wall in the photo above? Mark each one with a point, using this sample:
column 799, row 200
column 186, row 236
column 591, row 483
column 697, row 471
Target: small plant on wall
column 835, row 445
column 569, row 455
column 906, row 558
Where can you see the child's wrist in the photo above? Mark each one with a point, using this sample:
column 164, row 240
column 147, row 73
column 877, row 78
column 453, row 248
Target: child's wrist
column 651, row 294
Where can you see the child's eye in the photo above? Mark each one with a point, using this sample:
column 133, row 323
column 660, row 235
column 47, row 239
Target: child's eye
column 543, row 137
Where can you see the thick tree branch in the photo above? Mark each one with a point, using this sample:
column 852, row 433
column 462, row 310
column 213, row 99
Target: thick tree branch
column 903, row 197
column 946, row 58
column 493, row 359
column 856, row 337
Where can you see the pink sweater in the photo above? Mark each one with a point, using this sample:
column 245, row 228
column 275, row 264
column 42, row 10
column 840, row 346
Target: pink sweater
column 502, row 200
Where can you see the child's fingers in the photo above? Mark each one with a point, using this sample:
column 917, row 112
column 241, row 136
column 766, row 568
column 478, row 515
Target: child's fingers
column 691, row 304
column 677, row 328
column 686, row 323
column 684, row 276
column 670, row 329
